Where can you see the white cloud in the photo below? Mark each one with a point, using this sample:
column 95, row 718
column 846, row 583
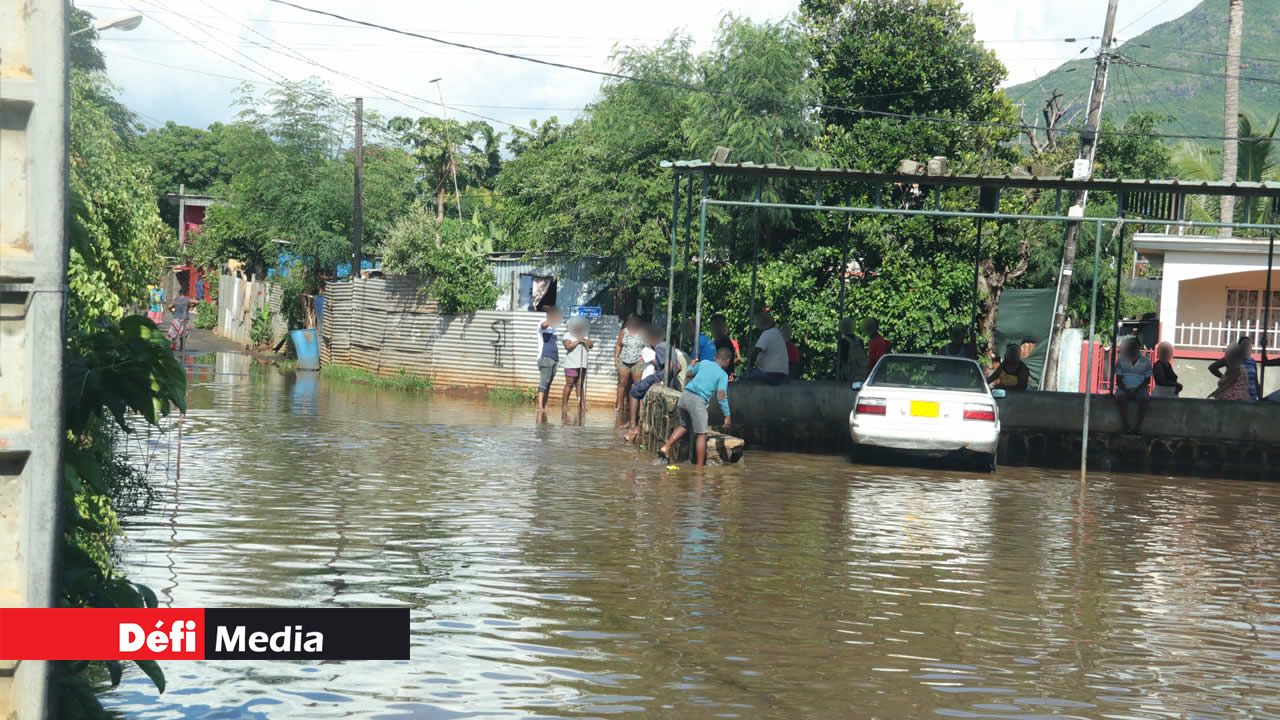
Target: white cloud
column 160, row 75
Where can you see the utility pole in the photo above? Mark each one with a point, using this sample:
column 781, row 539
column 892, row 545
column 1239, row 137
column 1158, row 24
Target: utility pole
column 1088, row 149
column 357, row 207
column 448, row 147
column 1231, row 111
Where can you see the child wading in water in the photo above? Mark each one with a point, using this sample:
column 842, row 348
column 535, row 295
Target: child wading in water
column 707, row 380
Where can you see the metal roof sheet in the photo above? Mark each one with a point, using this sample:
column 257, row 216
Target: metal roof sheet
column 1183, row 187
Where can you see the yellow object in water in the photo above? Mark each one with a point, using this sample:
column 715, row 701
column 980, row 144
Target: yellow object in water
column 673, row 468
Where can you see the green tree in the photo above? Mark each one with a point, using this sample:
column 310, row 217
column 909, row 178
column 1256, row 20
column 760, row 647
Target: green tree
column 449, row 256
column 912, row 57
column 116, row 231
column 448, row 151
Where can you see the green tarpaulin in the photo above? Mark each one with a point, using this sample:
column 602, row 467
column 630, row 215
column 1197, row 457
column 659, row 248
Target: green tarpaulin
column 1025, row 316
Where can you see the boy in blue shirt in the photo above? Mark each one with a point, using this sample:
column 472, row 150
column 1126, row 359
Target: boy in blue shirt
column 707, row 380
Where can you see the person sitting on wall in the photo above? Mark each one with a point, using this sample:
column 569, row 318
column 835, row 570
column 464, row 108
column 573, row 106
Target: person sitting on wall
column 706, row 346
column 1166, row 380
column 793, row 352
column 721, row 338
column 707, row 380
column 1245, row 343
column 877, row 345
column 1132, row 382
column 769, row 362
column 958, row 347
column 1011, row 373
column 851, row 354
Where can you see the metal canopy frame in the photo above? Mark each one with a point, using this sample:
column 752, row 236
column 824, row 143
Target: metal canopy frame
column 1177, row 191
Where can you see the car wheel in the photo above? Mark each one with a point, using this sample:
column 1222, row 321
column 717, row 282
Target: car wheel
column 986, row 463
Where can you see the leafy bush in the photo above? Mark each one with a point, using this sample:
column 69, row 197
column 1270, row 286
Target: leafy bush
column 260, row 331
column 207, row 315
column 113, row 372
column 449, row 256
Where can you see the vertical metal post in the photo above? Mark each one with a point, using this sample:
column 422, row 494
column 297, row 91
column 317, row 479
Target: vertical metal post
column 702, row 256
column 1115, row 332
column 1088, row 382
column 684, row 274
column 671, row 273
column 1266, row 314
column 977, row 262
column 755, row 256
column 844, row 281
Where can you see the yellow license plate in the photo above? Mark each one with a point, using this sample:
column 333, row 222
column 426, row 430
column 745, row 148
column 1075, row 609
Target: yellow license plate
column 924, row 408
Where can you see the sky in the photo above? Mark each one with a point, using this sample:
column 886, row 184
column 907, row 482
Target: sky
column 187, row 58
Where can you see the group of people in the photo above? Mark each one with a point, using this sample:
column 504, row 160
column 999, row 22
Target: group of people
column 1138, row 379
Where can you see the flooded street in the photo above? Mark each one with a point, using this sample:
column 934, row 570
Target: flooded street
column 553, row 573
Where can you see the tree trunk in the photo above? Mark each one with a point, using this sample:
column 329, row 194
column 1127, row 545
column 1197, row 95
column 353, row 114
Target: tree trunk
column 1231, row 109
column 441, row 193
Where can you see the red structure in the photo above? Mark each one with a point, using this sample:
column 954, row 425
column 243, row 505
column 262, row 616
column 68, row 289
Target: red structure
column 191, row 212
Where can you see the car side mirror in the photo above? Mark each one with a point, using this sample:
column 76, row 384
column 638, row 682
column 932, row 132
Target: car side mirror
column 998, row 393
column 856, row 386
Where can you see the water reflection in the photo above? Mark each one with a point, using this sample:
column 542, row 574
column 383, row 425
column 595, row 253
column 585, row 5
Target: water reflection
column 553, row 572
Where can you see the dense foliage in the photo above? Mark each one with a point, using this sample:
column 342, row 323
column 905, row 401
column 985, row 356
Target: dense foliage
column 119, row 373
column 827, row 86
column 449, row 256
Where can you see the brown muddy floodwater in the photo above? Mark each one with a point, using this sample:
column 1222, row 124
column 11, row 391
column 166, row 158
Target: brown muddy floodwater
column 553, row 572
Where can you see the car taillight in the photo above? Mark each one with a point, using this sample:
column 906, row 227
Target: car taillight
column 870, row 406
column 979, row 411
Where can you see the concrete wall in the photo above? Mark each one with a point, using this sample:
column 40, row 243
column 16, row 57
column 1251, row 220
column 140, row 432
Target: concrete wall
column 1038, row 428
column 387, row 326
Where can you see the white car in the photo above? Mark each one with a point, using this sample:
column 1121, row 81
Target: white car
column 927, row 404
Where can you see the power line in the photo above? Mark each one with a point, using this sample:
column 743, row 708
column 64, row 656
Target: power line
column 1184, row 71
column 693, row 88
column 1154, row 8
column 1208, row 53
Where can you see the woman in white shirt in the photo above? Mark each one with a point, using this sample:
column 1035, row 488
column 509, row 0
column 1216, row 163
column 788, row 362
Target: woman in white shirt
column 576, row 345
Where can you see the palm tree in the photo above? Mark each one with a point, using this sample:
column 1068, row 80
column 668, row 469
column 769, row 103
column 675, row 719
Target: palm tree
column 1255, row 163
column 1235, row 27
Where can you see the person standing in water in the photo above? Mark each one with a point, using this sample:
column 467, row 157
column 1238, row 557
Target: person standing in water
column 626, row 355
column 180, row 325
column 549, row 356
column 576, row 345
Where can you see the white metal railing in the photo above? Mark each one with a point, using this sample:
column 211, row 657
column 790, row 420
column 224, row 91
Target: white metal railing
column 1216, row 336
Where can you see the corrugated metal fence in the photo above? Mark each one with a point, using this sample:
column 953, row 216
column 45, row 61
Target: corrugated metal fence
column 238, row 301
column 385, row 326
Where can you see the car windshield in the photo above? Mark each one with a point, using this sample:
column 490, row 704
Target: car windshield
column 938, row 373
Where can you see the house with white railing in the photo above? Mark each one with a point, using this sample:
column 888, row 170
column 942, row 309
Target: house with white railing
column 1212, row 291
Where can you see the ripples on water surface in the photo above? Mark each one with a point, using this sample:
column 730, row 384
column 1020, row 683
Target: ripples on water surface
column 552, row 573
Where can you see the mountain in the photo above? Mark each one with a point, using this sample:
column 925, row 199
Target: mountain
column 1189, row 55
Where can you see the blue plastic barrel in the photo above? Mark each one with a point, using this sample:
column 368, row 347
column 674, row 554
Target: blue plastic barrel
column 308, row 349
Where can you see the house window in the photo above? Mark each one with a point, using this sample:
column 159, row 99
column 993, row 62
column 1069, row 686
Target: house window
column 1244, row 307
column 537, row 292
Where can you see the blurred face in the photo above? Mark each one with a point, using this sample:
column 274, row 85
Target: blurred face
column 553, row 316
column 724, row 359
column 957, row 335
column 1164, row 351
column 633, row 322
column 687, row 326
column 1246, row 346
column 1131, row 348
column 846, row 326
column 720, row 327
column 1012, row 355
column 870, row 327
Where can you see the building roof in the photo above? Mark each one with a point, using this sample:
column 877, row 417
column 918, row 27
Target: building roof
column 199, row 200
column 1177, row 187
column 1158, row 243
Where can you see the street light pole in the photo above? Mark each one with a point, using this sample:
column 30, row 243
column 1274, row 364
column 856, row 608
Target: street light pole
column 448, row 147
column 121, row 22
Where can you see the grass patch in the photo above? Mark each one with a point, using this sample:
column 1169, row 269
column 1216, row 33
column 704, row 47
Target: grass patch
column 287, row 365
column 513, row 396
column 402, row 381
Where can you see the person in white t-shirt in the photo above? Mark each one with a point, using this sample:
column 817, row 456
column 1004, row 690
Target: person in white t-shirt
column 576, row 345
column 768, row 362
